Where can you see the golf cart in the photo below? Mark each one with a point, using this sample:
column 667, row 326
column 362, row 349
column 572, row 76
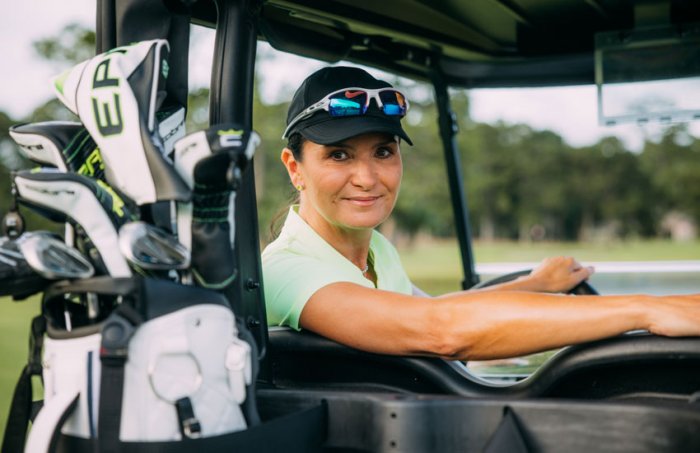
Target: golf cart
column 631, row 393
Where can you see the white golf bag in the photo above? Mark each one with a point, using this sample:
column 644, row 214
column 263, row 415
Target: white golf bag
column 150, row 365
column 166, row 364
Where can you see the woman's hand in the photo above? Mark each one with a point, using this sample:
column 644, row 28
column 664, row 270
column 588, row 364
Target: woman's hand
column 558, row 274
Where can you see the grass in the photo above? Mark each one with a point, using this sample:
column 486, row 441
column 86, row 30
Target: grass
column 433, row 265
column 15, row 321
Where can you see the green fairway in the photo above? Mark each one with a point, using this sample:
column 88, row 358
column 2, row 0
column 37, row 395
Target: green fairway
column 14, row 344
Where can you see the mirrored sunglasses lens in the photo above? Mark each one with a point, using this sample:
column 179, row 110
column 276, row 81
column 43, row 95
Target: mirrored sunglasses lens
column 347, row 103
column 394, row 103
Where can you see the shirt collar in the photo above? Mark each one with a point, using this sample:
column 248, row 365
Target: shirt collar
column 297, row 230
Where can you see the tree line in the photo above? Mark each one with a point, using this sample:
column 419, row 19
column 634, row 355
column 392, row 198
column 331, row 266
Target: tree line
column 520, row 183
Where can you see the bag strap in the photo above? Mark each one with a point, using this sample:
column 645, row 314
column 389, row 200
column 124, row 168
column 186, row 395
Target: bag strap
column 299, row 432
column 21, row 408
column 46, row 429
column 116, row 333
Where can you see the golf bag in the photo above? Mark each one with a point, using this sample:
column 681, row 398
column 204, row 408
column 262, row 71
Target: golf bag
column 165, row 364
column 132, row 360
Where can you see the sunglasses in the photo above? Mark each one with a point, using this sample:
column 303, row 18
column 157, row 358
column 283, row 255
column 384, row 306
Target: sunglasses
column 354, row 102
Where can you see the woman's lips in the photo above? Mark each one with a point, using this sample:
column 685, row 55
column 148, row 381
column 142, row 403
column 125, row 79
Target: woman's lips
column 363, row 201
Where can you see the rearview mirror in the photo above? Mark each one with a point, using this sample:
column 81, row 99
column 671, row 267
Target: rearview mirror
column 649, row 74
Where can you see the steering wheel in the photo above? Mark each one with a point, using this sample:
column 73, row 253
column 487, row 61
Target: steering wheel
column 582, row 289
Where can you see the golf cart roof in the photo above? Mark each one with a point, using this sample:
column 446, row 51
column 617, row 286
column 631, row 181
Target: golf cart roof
column 476, row 43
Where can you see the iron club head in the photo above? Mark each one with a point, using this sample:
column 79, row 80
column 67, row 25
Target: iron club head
column 152, row 248
column 52, row 258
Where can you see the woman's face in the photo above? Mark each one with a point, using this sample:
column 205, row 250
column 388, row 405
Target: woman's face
column 349, row 185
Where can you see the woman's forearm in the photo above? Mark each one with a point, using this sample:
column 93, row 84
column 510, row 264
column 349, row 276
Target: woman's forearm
column 506, row 324
column 524, row 283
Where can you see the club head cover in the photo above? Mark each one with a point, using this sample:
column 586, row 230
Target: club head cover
column 211, row 163
column 212, row 152
column 89, row 204
column 210, row 156
column 65, row 145
column 171, row 128
column 117, row 95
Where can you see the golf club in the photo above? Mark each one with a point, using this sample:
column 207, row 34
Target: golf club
column 17, row 278
column 151, row 248
column 211, row 162
column 65, row 145
column 51, row 258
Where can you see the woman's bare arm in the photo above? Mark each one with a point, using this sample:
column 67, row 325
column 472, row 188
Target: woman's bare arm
column 487, row 325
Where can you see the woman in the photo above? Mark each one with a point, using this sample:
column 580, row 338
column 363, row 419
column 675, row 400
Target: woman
column 330, row 272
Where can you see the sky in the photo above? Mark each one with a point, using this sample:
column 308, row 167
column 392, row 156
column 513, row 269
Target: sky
column 24, row 78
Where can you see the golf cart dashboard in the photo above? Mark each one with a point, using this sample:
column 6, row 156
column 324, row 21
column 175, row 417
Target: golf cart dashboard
column 637, row 366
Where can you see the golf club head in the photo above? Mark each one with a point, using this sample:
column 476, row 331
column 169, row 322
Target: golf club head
column 52, row 258
column 17, row 278
column 149, row 247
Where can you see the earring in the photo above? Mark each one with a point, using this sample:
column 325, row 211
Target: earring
column 299, row 187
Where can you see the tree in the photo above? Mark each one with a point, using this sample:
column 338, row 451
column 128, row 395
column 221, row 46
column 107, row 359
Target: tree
column 672, row 166
column 516, row 179
column 73, row 44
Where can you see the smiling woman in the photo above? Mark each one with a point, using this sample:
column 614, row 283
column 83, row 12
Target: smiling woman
column 347, row 188
column 330, row 272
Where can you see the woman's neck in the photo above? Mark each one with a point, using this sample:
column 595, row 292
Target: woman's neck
column 353, row 244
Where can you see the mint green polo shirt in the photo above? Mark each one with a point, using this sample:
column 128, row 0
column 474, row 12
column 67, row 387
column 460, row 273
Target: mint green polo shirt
column 300, row 262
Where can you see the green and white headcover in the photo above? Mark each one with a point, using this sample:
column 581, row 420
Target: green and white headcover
column 82, row 201
column 116, row 95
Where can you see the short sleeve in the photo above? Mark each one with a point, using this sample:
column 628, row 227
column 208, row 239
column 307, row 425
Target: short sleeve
column 290, row 281
column 300, row 262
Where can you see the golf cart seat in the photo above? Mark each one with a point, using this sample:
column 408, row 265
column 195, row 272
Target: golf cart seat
column 638, row 366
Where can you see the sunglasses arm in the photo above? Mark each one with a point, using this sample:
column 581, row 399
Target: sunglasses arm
column 322, row 104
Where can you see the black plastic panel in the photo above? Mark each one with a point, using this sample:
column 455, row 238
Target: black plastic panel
column 421, row 423
column 631, row 366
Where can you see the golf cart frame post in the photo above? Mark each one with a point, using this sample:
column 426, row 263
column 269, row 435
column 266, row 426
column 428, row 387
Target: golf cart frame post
column 231, row 101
